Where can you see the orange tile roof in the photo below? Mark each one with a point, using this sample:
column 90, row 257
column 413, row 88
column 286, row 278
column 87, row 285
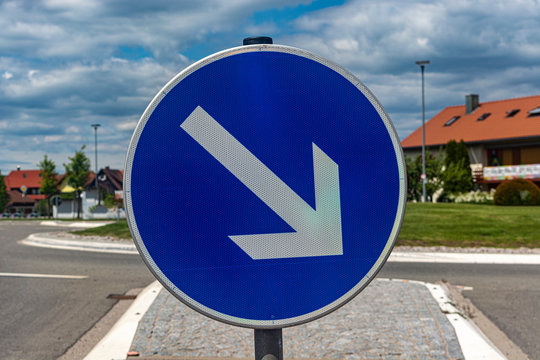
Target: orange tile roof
column 497, row 126
column 17, row 178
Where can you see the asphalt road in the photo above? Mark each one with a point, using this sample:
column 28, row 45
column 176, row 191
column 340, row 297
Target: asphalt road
column 509, row 295
column 42, row 317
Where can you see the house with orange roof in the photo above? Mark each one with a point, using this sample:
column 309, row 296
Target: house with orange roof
column 24, row 190
column 502, row 137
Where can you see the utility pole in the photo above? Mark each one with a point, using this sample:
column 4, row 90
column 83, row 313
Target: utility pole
column 422, row 64
column 95, row 126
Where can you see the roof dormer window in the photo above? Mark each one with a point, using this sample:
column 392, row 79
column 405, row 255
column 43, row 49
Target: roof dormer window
column 452, row 120
column 535, row 112
column 483, row 117
column 511, row 113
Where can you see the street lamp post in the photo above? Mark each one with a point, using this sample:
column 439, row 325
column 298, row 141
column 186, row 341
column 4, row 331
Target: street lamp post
column 95, row 126
column 422, row 64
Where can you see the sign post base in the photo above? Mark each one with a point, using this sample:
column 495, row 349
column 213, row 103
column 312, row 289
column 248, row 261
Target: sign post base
column 268, row 344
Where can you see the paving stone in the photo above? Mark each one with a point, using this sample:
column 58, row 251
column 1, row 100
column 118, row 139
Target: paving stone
column 390, row 319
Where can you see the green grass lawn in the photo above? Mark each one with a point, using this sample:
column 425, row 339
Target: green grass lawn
column 117, row 229
column 455, row 225
column 467, row 225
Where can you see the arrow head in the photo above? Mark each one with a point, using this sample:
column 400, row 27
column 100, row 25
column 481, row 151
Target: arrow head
column 318, row 232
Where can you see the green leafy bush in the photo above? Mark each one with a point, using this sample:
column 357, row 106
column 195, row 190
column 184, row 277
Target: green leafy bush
column 457, row 177
column 414, row 171
column 517, row 192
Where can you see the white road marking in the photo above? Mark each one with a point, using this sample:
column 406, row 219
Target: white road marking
column 43, row 276
column 117, row 342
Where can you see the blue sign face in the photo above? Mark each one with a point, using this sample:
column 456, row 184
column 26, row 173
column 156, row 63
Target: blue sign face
column 265, row 186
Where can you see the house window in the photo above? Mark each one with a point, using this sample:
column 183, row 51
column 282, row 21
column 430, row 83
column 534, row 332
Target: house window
column 494, row 157
column 483, row 117
column 452, row 120
column 535, row 112
column 511, row 113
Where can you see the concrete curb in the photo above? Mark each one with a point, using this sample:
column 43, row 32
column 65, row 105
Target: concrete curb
column 396, row 256
column 75, row 224
column 115, row 345
column 474, row 343
column 486, row 326
column 465, row 258
column 104, row 247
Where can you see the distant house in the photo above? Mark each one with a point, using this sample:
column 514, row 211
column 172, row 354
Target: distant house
column 24, row 190
column 110, row 184
column 502, row 137
column 110, row 180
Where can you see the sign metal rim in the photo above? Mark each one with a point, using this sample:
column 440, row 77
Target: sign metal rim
column 251, row 323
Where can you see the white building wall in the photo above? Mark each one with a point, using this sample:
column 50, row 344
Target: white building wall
column 90, row 210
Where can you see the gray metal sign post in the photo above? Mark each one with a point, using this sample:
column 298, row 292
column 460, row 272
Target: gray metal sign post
column 268, row 342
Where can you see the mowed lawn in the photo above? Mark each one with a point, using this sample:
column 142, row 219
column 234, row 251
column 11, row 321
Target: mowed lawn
column 469, row 225
column 443, row 224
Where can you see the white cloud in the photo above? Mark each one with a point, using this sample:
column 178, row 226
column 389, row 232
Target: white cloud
column 52, row 138
column 345, row 44
column 422, row 42
column 72, row 130
column 263, row 28
column 130, row 125
column 77, row 62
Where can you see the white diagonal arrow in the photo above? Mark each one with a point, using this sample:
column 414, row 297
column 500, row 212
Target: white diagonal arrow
column 317, row 232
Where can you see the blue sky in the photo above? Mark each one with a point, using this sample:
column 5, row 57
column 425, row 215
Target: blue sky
column 66, row 64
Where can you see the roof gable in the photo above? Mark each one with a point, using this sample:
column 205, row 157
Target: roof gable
column 111, row 179
column 18, row 178
column 491, row 121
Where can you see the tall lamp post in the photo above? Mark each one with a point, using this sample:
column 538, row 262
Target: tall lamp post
column 95, row 126
column 422, row 64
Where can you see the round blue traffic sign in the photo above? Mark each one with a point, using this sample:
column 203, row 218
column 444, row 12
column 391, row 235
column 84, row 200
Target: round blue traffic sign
column 265, row 186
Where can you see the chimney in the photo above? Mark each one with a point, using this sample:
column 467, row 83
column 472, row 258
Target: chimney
column 471, row 102
column 18, row 167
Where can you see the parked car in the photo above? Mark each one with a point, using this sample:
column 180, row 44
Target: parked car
column 16, row 215
column 33, row 215
column 6, row 215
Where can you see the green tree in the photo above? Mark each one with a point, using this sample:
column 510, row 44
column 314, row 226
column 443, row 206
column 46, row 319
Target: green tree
column 4, row 197
column 48, row 181
column 433, row 173
column 77, row 173
column 457, row 174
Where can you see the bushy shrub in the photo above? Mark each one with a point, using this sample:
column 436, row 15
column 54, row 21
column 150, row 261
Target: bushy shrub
column 517, row 192
column 457, row 176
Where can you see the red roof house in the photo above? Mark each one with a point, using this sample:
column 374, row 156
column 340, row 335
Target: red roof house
column 24, row 189
column 503, row 134
column 25, row 181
